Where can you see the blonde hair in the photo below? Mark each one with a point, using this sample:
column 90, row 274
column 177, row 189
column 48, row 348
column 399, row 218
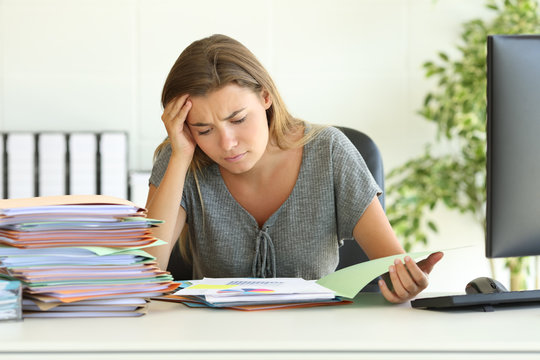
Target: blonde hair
column 210, row 64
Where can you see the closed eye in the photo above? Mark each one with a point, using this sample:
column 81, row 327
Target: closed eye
column 239, row 121
column 204, row 132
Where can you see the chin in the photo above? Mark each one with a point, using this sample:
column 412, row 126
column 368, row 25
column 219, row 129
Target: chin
column 236, row 170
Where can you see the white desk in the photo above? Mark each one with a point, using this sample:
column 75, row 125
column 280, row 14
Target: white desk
column 370, row 328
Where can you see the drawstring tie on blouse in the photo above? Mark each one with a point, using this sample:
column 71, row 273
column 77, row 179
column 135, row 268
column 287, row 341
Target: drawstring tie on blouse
column 264, row 264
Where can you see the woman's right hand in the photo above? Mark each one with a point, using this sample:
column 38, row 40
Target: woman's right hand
column 174, row 118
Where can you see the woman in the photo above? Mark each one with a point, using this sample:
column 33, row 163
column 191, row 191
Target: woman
column 261, row 193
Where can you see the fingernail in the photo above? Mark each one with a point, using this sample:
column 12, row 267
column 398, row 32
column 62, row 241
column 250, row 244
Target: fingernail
column 408, row 259
column 397, row 261
column 391, row 268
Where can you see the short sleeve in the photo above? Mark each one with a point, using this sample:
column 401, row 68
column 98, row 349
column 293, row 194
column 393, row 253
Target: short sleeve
column 354, row 185
column 160, row 165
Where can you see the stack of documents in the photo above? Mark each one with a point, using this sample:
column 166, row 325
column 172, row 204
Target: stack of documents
column 253, row 293
column 80, row 255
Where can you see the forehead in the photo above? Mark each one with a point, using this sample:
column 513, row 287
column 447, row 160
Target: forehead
column 221, row 102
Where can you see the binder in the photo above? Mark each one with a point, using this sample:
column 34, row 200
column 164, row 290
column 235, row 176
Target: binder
column 51, row 164
column 82, row 152
column 59, row 163
column 113, row 164
column 20, row 165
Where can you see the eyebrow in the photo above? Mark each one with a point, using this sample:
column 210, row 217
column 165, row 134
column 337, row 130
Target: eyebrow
column 232, row 115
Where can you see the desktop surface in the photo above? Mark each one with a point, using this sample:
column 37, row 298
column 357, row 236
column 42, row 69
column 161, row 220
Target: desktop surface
column 368, row 328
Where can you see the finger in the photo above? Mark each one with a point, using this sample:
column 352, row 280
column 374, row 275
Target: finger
column 405, row 278
column 179, row 118
column 419, row 277
column 170, row 106
column 182, row 115
column 174, row 106
column 388, row 295
column 427, row 264
column 399, row 289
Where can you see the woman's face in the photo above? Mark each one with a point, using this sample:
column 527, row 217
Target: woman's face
column 230, row 126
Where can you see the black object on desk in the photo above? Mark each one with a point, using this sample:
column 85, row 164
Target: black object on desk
column 486, row 302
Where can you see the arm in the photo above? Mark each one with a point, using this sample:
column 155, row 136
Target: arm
column 164, row 208
column 374, row 234
column 163, row 202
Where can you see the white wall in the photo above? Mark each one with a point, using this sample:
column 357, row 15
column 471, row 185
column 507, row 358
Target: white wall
column 101, row 64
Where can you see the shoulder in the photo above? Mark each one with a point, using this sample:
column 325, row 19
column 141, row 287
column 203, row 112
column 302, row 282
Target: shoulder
column 337, row 146
column 325, row 132
column 327, row 137
column 326, row 146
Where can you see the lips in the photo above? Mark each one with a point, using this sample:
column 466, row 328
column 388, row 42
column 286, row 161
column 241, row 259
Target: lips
column 235, row 157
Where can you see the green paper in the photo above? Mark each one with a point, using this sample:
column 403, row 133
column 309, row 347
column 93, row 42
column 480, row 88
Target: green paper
column 103, row 250
column 349, row 281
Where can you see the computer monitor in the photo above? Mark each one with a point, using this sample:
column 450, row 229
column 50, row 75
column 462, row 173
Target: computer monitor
column 513, row 146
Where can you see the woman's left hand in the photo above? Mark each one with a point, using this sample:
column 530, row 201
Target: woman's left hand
column 409, row 278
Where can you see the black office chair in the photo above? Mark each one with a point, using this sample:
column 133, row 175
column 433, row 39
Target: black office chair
column 178, row 267
column 350, row 253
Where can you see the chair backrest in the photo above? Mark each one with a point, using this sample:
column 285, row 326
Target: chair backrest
column 350, row 253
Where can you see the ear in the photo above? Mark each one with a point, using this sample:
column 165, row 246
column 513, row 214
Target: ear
column 266, row 99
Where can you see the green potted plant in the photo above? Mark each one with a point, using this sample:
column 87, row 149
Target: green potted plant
column 457, row 106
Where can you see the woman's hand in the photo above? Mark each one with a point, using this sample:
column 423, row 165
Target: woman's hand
column 409, row 278
column 174, row 118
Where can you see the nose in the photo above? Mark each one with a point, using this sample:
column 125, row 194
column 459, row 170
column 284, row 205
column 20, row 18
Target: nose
column 228, row 139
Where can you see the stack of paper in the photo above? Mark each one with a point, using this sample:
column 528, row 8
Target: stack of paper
column 253, row 293
column 80, row 255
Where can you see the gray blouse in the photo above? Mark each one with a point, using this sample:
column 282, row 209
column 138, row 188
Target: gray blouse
column 301, row 239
